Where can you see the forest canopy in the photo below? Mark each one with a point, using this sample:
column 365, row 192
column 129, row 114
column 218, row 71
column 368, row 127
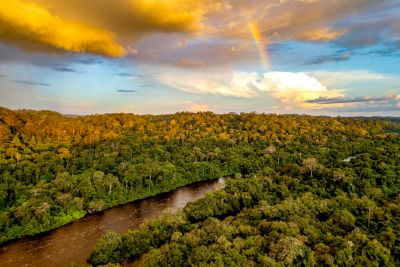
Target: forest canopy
column 304, row 190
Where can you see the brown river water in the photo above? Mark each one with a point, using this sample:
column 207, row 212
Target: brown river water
column 72, row 243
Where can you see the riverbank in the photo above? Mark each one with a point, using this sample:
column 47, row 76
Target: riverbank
column 18, row 232
column 72, row 243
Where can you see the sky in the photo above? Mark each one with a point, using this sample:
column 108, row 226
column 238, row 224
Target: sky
column 318, row 57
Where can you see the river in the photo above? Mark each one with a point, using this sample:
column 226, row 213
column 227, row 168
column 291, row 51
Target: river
column 72, row 243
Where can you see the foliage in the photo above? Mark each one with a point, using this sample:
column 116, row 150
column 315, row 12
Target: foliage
column 346, row 213
column 294, row 199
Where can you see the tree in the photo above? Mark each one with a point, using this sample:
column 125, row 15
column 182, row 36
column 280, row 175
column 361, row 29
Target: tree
column 111, row 181
column 311, row 164
column 270, row 150
column 338, row 176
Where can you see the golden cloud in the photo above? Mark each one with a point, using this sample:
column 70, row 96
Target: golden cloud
column 323, row 35
column 112, row 28
column 24, row 22
column 169, row 15
column 92, row 27
column 132, row 19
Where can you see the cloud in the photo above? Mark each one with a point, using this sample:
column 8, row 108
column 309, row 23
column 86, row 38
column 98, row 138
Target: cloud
column 105, row 28
column 138, row 75
column 199, row 52
column 391, row 51
column 330, row 78
column 289, row 20
column 196, row 107
column 116, row 23
column 363, row 104
column 191, row 63
column 347, row 100
column 289, row 89
column 127, row 74
column 133, row 18
column 225, row 39
column 65, row 69
column 126, row 91
column 295, row 88
column 341, row 55
column 321, row 35
column 2, row 76
column 377, row 25
column 26, row 23
column 168, row 16
column 9, row 54
column 190, row 33
column 31, row 83
column 132, row 51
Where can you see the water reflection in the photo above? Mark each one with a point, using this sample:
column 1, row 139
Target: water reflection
column 72, row 243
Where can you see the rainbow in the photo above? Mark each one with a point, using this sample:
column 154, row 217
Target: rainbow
column 261, row 45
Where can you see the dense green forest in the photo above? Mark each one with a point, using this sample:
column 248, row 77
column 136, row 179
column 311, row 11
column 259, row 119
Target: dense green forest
column 306, row 190
column 316, row 192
